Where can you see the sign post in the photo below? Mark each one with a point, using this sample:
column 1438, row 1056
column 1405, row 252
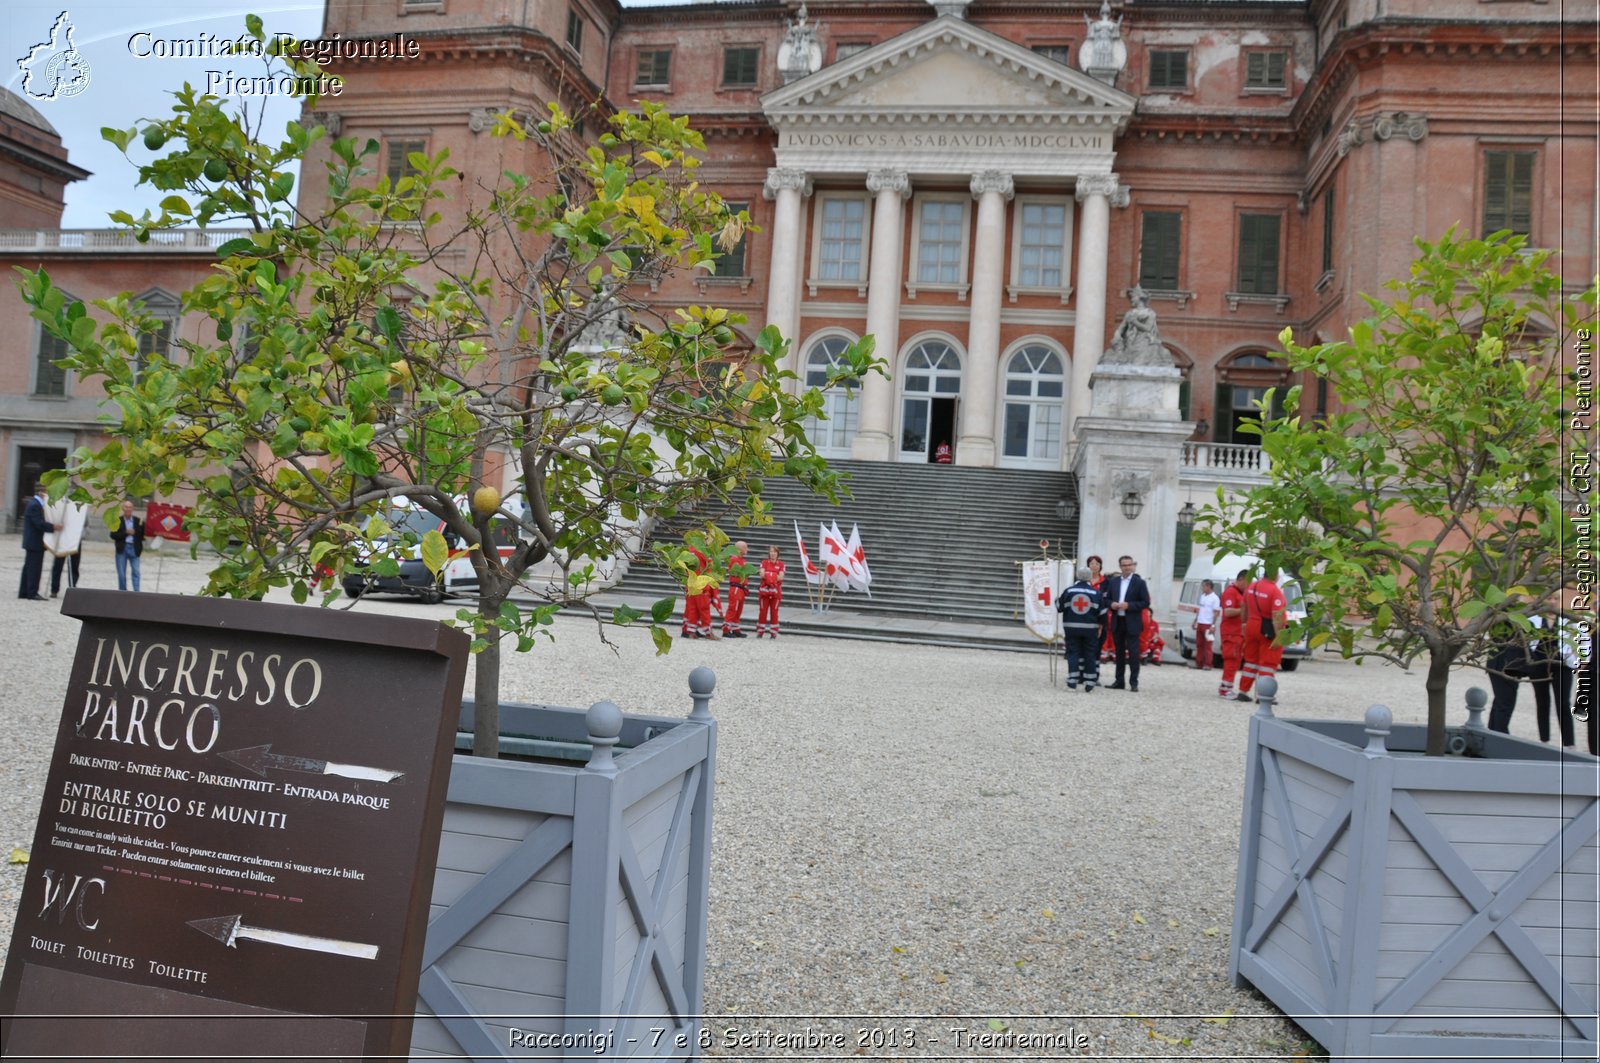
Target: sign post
column 234, row 854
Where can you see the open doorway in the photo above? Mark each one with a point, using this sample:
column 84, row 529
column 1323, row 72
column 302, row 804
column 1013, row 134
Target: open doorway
column 941, row 425
column 32, row 463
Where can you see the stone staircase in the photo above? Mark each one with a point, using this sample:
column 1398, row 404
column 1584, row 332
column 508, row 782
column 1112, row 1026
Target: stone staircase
column 941, row 540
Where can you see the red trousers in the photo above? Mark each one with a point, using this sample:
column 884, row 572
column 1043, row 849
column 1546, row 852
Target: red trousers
column 697, row 613
column 769, row 598
column 734, row 613
column 1202, row 645
column 1261, row 659
column 1232, row 659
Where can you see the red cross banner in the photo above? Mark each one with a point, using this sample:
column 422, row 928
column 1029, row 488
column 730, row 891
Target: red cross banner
column 1040, row 582
column 164, row 520
column 813, row 574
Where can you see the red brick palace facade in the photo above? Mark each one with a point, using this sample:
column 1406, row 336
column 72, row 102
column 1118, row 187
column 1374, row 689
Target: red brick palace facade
column 980, row 185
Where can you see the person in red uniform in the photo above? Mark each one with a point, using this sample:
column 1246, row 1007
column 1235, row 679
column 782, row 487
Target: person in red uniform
column 769, row 594
column 738, row 591
column 1151, row 644
column 1265, row 617
column 1232, row 632
column 697, row 599
column 942, row 455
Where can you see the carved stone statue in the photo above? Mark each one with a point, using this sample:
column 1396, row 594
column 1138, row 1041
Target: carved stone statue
column 1137, row 340
column 800, row 54
column 1103, row 54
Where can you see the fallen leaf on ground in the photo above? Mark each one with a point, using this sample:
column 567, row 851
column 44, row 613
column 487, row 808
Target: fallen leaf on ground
column 1137, row 918
column 1220, row 1020
column 18, row 856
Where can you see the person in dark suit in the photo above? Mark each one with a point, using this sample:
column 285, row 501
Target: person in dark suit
column 128, row 534
column 1128, row 598
column 34, row 529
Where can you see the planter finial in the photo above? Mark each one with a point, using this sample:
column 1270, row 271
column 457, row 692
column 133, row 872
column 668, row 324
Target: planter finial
column 1379, row 720
column 604, row 721
column 1477, row 698
column 702, row 681
column 1266, row 694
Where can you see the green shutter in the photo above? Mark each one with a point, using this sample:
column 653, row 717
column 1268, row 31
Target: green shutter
column 1258, row 254
column 1508, row 191
column 1183, row 551
column 1255, row 69
column 51, row 379
column 1327, row 230
column 1222, row 415
column 1183, row 400
column 1159, row 250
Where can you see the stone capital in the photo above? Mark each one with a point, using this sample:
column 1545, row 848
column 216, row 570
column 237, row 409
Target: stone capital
column 786, row 177
column 992, row 181
column 1400, row 124
column 1098, row 184
column 896, row 181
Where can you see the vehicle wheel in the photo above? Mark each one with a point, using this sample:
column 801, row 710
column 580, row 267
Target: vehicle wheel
column 432, row 595
column 1290, row 664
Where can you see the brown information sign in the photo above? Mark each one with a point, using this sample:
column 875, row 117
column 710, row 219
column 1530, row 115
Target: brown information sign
column 233, row 858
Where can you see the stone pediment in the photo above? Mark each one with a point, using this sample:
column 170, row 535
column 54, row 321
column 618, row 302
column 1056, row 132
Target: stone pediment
column 948, row 94
column 948, row 64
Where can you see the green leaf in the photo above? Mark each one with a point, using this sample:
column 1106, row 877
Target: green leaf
column 663, row 641
column 435, row 552
column 662, row 609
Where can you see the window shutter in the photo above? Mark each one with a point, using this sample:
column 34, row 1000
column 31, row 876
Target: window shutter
column 51, row 379
column 1522, row 192
column 1222, row 414
column 1183, row 551
column 1158, row 251
column 1258, row 254
column 1256, row 68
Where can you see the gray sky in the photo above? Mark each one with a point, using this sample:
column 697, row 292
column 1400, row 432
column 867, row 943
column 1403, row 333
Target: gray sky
column 123, row 89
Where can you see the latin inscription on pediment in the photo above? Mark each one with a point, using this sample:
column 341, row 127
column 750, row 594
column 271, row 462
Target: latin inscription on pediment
column 941, row 140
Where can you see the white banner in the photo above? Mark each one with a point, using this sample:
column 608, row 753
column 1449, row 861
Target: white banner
column 1039, row 599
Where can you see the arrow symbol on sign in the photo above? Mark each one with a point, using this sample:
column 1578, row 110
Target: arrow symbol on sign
column 228, row 929
column 259, row 758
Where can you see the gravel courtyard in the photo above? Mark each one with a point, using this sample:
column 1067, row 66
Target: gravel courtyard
column 909, row 841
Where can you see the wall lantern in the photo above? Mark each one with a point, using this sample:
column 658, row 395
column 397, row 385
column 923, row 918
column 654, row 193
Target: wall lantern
column 1187, row 515
column 1067, row 510
column 1132, row 505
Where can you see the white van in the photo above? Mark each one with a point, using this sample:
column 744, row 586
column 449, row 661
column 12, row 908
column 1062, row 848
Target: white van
column 1220, row 570
column 408, row 520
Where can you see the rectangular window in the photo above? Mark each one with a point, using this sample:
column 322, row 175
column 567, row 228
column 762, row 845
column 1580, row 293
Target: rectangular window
column 1508, row 191
column 841, row 243
column 654, row 69
column 50, row 379
column 1258, row 254
column 574, row 30
column 1327, row 230
column 732, row 263
column 740, row 67
column 1159, row 242
column 154, row 342
column 1169, row 70
column 1265, row 70
column 845, row 51
column 1056, row 53
column 1041, row 246
column 939, row 241
column 399, row 162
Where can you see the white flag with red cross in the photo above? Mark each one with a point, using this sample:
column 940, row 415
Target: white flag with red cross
column 860, row 574
column 813, row 573
column 834, row 556
column 1039, row 589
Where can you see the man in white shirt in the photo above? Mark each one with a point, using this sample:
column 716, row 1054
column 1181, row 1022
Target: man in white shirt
column 1205, row 616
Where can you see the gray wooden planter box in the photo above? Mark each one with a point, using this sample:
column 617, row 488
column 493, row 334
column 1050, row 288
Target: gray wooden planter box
column 569, row 901
column 1399, row 906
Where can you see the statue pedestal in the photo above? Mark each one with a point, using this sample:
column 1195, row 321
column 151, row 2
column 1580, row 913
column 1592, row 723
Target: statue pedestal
column 1132, row 441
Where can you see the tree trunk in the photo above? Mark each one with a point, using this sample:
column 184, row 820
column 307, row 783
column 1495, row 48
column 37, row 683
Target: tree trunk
column 486, row 687
column 1438, row 683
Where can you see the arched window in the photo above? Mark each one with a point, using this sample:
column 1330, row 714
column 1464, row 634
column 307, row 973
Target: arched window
column 158, row 340
column 1031, row 422
column 931, row 381
column 833, row 431
column 48, row 378
column 1242, row 382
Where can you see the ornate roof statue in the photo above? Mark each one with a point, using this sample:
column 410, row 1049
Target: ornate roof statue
column 800, row 54
column 1103, row 54
column 1137, row 340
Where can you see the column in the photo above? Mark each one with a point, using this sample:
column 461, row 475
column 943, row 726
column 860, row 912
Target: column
column 786, row 185
column 991, row 189
column 1095, row 192
column 874, row 440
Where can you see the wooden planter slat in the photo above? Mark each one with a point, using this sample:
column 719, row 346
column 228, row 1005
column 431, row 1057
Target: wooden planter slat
column 1395, row 904
column 570, row 898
